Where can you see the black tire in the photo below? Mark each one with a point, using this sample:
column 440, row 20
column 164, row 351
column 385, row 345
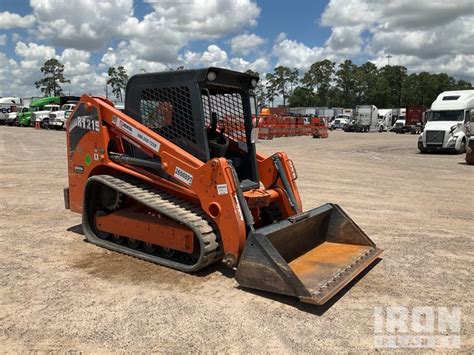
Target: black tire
column 469, row 156
column 421, row 148
column 463, row 147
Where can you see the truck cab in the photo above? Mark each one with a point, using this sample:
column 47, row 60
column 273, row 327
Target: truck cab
column 42, row 115
column 340, row 121
column 57, row 119
column 449, row 121
column 365, row 119
column 385, row 120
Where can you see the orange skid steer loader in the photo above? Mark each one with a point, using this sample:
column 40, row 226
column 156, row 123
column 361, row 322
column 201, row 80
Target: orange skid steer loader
column 175, row 179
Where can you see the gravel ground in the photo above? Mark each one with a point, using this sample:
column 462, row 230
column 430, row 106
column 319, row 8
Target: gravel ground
column 60, row 293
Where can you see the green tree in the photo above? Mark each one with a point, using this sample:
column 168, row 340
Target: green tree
column 53, row 72
column 302, row 97
column 117, row 80
column 393, row 84
column 281, row 82
column 259, row 91
column 347, row 79
column 463, row 85
column 366, row 83
column 318, row 78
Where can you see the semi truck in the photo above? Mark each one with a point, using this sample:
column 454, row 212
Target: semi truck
column 449, row 122
column 365, row 119
column 57, row 119
column 7, row 106
column 414, row 120
column 339, row 122
column 37, row 106
column 385, row 119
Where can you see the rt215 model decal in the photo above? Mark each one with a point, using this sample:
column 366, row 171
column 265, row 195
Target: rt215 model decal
column 90, row 123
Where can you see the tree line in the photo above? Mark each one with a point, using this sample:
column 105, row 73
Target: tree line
column 323, row 84
column 326, row 85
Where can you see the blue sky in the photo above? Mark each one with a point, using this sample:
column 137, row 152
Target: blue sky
column 88, row 36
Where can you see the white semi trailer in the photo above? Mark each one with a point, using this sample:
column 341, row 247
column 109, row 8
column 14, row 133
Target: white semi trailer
column 7, row 106
column 365, row 119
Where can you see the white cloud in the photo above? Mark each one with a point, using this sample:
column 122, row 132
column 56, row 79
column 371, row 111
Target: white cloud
column 80, row 24
column 424, row 34
column 260, row 65
column 34, row 51
column 23, row 73
column 294, row 54
column 163, row 33
column 245, row 43
column 206, row 18
column 3, row 40
column 451, row 39
column 125, row 56
column 214, row 56
column 345, row 40
column 10, row 20
column 75, row 62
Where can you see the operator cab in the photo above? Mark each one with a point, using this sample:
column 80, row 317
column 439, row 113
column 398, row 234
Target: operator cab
column 207, row 112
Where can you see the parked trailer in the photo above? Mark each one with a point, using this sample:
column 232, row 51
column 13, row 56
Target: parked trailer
column 303, row 110
column 348, row 111
column 365, row 119
column 414, row 120
column 7, row 106
column 449, row 122
column 328, row 111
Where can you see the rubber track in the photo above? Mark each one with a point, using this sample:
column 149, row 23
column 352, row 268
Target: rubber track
column 165, row 204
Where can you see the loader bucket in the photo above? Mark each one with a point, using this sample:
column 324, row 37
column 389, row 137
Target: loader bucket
column 311, row 256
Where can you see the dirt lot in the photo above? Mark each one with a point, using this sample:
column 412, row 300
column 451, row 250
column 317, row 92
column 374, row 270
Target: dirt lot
column 61, row 293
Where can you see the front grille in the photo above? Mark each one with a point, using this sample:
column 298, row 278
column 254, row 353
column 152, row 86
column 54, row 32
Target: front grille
column 434, row 137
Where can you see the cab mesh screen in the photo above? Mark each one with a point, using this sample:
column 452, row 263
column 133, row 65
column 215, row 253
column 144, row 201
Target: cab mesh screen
column 230, row 113
column 168, row 111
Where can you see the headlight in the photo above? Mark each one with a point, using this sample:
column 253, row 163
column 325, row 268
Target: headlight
column 211, row 76
column 454, row 138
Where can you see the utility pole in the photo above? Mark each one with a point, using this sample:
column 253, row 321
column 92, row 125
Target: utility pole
column 400, row 90
column 388, row 56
